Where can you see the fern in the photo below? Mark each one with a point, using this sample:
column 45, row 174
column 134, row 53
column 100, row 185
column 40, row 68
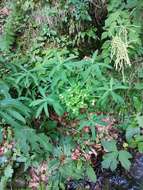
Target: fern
column 11, row 26
column 12, row 111
column 28, row 140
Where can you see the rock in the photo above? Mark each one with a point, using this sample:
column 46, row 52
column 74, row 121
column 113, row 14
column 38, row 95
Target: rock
column 137, row 168
column 81, row 185
column 119, row 182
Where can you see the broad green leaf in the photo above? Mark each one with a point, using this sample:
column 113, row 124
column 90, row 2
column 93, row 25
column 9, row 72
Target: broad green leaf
column 124, row 157
column 91, row 174
column 131, row 132
column 110, row 161
column 109, row 146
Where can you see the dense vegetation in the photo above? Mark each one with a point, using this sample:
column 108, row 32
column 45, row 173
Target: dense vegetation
column 71, row 90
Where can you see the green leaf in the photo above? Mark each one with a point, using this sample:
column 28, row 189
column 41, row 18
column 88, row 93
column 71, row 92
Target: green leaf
column 137, row 104
column 15, row 104
column 103, row 99
column 79, row 164
column 16, row 115
column 37, row 102
column 44, row 142
column 131, row 131
column 3, row 183
column 93, row 131
column 104, row 35
column 46, row 109
column 119, row 87
column 139, row 86
column 39, row 111
column 140, row 147
column 110, row 161
column 84, row 123
column 140, row 120
column 9, row 120
column 109, row 146
column 8, row 171
column 117, row 98
column 124, row 157
column 91, row 174
column 58, row 109
column 1, row 136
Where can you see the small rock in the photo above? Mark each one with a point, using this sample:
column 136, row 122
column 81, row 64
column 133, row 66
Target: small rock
column 137, row 168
